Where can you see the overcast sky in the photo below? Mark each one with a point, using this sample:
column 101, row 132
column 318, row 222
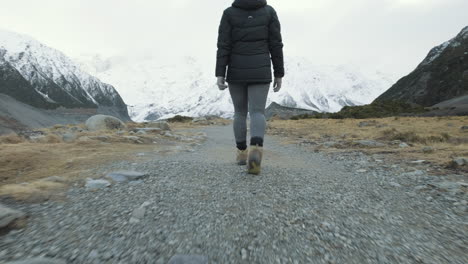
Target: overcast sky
column 390, row 35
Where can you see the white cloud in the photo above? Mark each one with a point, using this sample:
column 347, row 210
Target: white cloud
column 393, row 35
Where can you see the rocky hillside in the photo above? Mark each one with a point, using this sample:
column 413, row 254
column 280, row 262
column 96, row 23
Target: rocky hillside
column 37, row 75
column 443, row 75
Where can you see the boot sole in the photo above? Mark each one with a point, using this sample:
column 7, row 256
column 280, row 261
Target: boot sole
column 254, row 168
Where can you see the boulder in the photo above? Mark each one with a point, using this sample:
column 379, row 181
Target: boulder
column 464, row 128
column 163, row 125
column 104, row 122
column 69, row 137
column 8, row 216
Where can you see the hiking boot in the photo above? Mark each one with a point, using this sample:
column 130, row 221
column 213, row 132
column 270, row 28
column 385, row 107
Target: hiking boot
column 255, row 160
column 242, row 157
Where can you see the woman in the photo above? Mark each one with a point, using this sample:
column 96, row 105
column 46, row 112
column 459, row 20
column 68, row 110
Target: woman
column 249, row 40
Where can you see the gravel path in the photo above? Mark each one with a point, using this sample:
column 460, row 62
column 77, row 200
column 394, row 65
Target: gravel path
column 305, row 207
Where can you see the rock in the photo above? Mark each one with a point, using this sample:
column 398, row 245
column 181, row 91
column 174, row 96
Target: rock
column 414, row 173
column 133, row 139
column 417, row 162
column 421, row 188
column 57, row 179
column 394, row 184
column 100, row 138
column 93, row 185
column 163, row 125
column 68, row 137
column 244, row 254
column 367, row 123
column 403, row 145
column 451, row 187
column 168, row 134
column 199, row 119
column 188, row 259
column 460, row 161
column 137, row 215
column 124, row 176
column 464, row 128
column 8, row 216
column 141, row 132
column 369, row 143
column 94, row 254
column 39, row 261
column 104, row 122
column 151, row 130
column 427, row 150
column 84, row 139
column 330, row 144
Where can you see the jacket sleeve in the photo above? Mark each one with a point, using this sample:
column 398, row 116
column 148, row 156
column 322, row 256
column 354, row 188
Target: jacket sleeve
column 224, row 46
column 276, row 45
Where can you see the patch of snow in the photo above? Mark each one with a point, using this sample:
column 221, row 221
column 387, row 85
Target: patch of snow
column 45, row 96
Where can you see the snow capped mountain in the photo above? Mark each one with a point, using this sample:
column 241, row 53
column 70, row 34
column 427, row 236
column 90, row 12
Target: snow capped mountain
column 55, row 77
column 185, row 86
column 328, row 88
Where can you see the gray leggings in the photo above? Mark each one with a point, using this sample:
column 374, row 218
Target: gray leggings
column 249, row 98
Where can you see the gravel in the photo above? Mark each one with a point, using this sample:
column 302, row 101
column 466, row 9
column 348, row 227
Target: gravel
column 305, row 207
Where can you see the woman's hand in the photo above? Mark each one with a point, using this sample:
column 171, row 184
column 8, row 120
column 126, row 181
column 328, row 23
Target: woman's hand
column 221, row 83
column 277, row 84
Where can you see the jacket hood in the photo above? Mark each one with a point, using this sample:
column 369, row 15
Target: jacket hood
column 249, row 4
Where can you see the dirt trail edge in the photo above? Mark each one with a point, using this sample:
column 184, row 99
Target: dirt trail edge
column 305, row 207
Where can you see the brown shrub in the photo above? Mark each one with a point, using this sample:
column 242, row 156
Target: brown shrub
column 11, row 139
column 51, row 139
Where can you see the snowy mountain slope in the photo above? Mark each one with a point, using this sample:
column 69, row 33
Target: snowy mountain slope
column 185, row 86
column 55, row 77
column 440, row 77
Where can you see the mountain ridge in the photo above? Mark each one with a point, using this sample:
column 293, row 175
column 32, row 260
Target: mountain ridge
column 441, row 76
column 156, row 89
column 52, row 76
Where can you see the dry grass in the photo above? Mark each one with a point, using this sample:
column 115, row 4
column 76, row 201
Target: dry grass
column 24, row 164
column 11, row 139
column 188, row 125
column 443, row 134
column 31, row 162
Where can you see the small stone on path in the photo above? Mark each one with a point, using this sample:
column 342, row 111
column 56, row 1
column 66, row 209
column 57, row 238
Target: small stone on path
column 188, row 259
column 8, row 216
column 93, row 185
column 124, row 176
column 39, row 261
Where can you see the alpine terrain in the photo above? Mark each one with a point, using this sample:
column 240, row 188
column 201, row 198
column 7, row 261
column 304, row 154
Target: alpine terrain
column 186, row 86
column 441, row 76
column 34, row 75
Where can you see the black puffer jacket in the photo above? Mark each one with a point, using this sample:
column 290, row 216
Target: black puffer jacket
column 249, row 33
